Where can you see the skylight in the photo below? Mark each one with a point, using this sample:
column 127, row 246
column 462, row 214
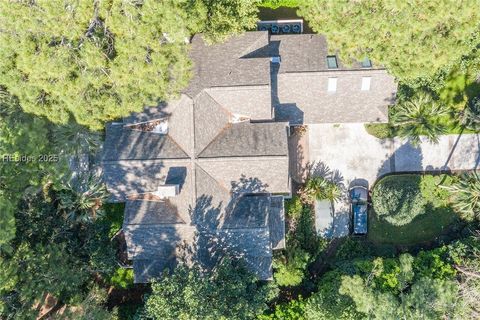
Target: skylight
column 332, row 62
column 366, row 63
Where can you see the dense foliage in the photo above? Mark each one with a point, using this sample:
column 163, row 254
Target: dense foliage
column 99, row 60
column 466, row 195
column 419, row 211
column 229, row 292
column 398, row 199
column 274, row 4
column 411, row 38
column 45, row 252
column 435, row 284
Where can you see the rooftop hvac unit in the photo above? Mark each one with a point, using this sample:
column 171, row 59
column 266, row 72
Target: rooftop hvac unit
column 281, row 26
column 296, row 28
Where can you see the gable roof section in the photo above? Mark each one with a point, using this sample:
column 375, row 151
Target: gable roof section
column 248, row 139
column 129, row 144
column 254, row 102
column 348, row 104
column 151, row 212
column 249, row 175
column 221, row 65
column 210, row 119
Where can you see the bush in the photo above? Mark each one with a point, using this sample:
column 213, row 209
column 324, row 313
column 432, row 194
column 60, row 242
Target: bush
column 294, row 207
column 122, row 278
column 294, row 309
column 274, row 4
column 379, row 130
column 292, row 271
column 398, row 199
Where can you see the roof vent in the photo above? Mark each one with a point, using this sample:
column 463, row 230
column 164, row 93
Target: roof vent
column 161, row 127
column 276, row 59
column 237, row 118
column 167, row 190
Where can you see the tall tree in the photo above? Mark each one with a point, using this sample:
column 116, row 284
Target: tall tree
column 466, row 195
column 230, row 292
column 419, row 116
column 99, row 60
column 411, row 38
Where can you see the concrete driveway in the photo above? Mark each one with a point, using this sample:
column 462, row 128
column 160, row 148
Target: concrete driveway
column 352, row 154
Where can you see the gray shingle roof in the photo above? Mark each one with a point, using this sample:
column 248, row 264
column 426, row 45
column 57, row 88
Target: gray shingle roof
column 249, row 174
column 248, row 139
column 130, row 144
column 210, row 217
column 303, row 97
column 221, row 65
column 226, row 170
column 151, row 212
column 254, row 102
column 210, row 119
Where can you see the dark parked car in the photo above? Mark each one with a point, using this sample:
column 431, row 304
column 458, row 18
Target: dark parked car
column 359, row 204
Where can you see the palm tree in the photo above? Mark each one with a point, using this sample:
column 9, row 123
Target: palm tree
column 419, row 117
column 466, row 195
column 319, row 188
column 471, row 115
column 73, row 139
column 81, row 198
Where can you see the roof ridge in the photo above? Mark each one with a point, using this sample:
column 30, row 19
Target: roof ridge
column 260, row 37
column 178, row 145
column 208, row 174
column 216, row 101
column 221, row 131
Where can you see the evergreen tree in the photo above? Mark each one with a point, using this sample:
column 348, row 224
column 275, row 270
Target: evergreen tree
column 92, row 61
column 411, row 38
column 229, row 292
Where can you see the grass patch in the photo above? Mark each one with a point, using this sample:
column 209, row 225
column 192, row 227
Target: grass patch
column 113, row 217
column 435, row 218
column 275, row 4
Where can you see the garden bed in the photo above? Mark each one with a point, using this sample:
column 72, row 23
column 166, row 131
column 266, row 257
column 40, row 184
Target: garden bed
column 411, row 209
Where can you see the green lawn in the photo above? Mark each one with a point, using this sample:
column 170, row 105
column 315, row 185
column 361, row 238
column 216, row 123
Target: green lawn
column 434, row 218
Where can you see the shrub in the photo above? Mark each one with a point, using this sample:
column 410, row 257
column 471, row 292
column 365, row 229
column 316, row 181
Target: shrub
column 398, row 199
column 292, row 271
column 294, row 207
column 274, row 4
column 379, row 130
column 292, row 310
column 122, row 278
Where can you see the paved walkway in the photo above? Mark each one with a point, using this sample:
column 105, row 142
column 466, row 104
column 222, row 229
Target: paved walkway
column 352, row 154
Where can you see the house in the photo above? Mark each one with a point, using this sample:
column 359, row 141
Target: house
column 205, row 175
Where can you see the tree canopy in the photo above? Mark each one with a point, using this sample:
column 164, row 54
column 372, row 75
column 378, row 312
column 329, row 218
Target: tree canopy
column 94, row 61
column 411, row 38
column 229, row 292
